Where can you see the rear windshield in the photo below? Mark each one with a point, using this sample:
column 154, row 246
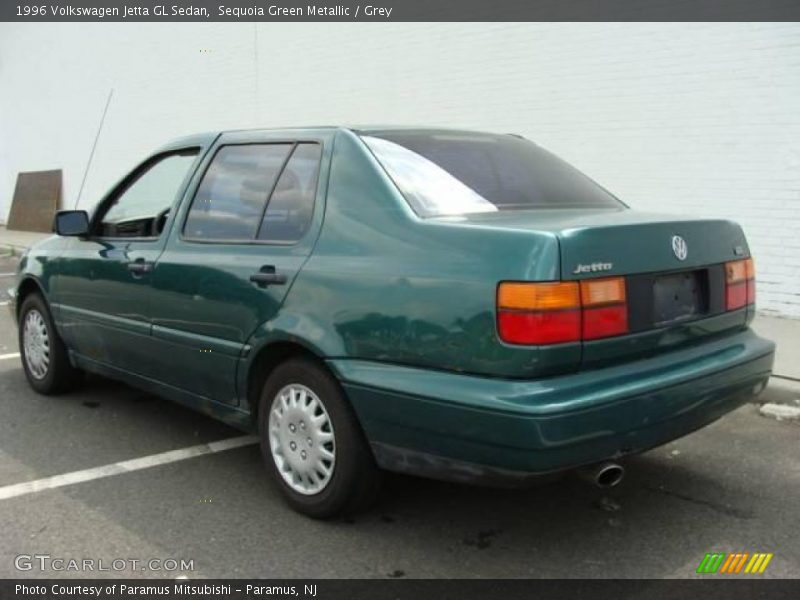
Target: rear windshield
column 458, row 173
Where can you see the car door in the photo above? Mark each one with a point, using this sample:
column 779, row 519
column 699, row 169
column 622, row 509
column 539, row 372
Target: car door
column 104, row 279
column 246, row 229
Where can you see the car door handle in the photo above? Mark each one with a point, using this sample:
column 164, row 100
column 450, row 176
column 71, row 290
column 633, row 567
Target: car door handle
column 267, row 276
column 140, row 267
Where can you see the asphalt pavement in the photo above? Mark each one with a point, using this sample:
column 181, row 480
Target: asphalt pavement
column 731, row 487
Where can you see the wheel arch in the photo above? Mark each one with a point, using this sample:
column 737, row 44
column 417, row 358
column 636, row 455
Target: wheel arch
column 264, row 361
column 29, row 285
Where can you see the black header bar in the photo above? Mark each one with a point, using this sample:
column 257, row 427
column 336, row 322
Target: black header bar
column 708, row 588
column 398, row 10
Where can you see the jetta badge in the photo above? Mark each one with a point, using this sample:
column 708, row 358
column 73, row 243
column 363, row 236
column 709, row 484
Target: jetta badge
column 592, row 268
column 679, row 247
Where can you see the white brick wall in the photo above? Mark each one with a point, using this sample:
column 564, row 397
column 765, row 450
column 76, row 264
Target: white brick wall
column 697, row 119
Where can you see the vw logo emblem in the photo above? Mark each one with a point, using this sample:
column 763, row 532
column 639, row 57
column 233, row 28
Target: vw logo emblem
column 679, row 247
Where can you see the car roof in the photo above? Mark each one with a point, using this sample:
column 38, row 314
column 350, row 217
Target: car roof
column 205, row 138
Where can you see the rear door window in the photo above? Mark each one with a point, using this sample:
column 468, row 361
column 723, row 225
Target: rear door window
column 263, row 192
column 291, row 205
column 230, row 201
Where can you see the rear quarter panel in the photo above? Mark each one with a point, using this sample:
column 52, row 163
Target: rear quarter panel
column 385, row 285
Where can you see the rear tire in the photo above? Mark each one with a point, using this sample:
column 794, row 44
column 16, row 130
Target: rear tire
column 45, row 359
column 312, row 443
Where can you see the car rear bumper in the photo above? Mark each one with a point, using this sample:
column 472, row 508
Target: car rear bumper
column 468, row 428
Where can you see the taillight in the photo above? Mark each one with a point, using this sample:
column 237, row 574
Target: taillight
column 538, row 313
column 605, row 311
column 558, row 312
column 740, row 284
column 751, row 281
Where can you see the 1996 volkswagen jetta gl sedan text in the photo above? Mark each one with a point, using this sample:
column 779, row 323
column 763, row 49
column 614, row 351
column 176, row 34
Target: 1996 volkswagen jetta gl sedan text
column 451, row 304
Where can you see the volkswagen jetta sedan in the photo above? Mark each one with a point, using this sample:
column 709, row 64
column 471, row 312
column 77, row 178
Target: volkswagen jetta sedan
column 451, row 304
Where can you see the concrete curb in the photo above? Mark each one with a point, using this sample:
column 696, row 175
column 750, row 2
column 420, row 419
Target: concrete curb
column 780, row 412
column 13, row 248
column 16, row 245
column 19, row 240
column 781, row 391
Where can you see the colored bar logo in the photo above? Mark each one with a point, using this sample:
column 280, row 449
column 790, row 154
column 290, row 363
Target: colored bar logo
column 736, row 562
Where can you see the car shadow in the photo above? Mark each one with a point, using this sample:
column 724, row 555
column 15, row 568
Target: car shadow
column 224, row 512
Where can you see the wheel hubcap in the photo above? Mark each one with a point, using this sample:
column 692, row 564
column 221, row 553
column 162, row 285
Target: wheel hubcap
column 301, row 439
column 36, row 344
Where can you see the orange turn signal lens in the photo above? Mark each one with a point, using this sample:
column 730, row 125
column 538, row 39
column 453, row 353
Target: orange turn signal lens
column 538, row 296
column 750, row 267
column 603, row 291
column 737, row 270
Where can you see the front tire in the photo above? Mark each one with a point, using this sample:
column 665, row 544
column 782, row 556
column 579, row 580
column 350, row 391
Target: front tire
column 44, row 357
column 312, row 443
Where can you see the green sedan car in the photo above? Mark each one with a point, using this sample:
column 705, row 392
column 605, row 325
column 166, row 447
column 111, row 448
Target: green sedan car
column 450, row 304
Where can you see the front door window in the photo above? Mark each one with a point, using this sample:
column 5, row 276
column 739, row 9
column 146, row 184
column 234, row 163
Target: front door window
column 140, row 209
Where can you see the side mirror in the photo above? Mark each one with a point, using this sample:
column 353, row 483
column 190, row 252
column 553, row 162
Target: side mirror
column 71, row 222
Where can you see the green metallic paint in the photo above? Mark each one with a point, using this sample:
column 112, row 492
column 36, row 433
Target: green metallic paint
column 403, row 311
column 442, row 276
column 542, row 425
column 624, row 238
column 199, row 336
column 104, row 307
column 38, row 266
column 647, row 344
column 227, row 413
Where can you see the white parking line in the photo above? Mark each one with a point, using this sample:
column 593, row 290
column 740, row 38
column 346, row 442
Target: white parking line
column 7, row 274
column 7, row 356
column 4, row 303
column 125, row 466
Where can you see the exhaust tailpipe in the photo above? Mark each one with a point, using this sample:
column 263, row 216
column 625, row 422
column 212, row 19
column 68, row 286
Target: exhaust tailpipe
column 605, row 474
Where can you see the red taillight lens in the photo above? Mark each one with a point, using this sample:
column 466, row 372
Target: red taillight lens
column 558, row 312
column 736, row 295
column 605, row 321
column 551, row 327
column 740, row 284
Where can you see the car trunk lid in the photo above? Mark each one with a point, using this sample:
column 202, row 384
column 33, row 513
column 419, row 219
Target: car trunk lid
column 674, row 271
column 630, row 242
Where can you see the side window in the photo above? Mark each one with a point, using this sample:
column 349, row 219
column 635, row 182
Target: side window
column 142, row 207
column 230, row 200
column 291, row 205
